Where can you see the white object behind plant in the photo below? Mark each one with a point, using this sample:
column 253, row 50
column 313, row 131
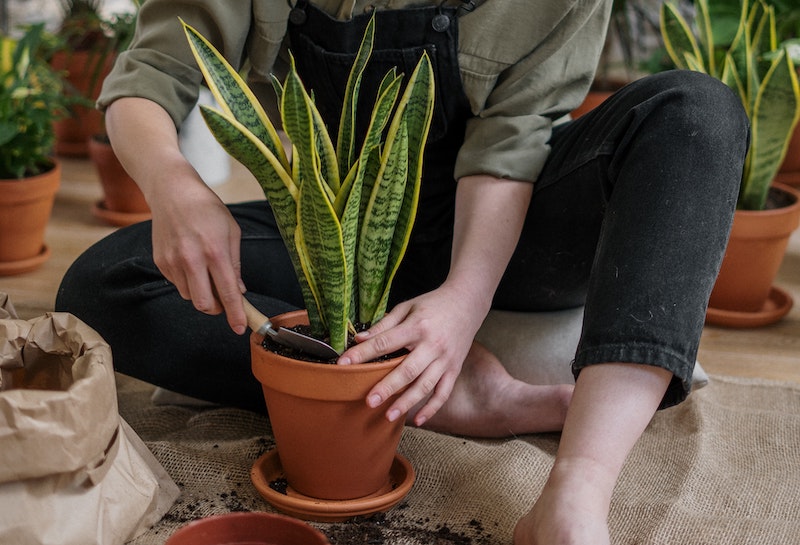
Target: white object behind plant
column 200, row 147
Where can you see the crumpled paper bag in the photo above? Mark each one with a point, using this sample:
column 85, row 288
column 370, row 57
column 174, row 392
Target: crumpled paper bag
column 71, row 469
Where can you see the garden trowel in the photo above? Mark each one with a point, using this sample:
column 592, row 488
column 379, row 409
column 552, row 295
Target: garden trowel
column 261, row 325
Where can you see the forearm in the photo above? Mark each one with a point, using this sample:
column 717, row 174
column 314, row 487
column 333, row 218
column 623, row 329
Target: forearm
column 146, row 142
column 490, row 213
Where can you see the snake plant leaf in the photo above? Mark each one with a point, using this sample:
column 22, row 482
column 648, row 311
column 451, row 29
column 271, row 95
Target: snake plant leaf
column 345, row 144
column 730, row 77
column 275, row 182
column 311, row 297
column 703, row 21
column 678, row 37
column 246, row 148
column 378, row 121
column 232, row 93
column 325, row 152
column 325, row 203
column 322, row 243
column 409, row 129
column 298, row 122
column 418, row 113
column 775, row 113
column 763, row 76
column 348, row 203
column 381, row 216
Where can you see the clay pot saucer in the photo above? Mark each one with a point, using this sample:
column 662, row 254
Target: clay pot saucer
column 777, row 305
column 119, row 219
column 267, row 469
column 8, row 268
column 254, row 528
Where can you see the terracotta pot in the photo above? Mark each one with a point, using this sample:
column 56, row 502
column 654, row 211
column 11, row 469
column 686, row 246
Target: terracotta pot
column 247, row 529
column 73, row 133
column 599, row 93
column 331, row 445
column 123, row 202
column 25, row 208
column 592, row 101
column 789, row 173
column 756, row 248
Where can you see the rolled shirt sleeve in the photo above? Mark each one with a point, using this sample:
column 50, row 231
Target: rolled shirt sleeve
column 519, row 86
column 524, row 64
column 159, row 64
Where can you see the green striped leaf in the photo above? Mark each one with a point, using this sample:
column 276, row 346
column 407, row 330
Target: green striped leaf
column 678, row 37
column 380, row 220
column 275, row 182
column 232, row 93
column 418, row 112
column 345, row 146
column 775, row 114
column 322, row 243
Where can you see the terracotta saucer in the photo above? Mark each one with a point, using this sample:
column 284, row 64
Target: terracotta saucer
column 268, row 469
column 120, row 219
column 247, row 529
column 778, row 304
column 8, row 268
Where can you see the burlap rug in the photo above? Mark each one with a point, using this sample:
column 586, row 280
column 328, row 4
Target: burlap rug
column 723, row 468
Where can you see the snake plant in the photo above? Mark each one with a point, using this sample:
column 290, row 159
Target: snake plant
column 755, row 67
column 345, row 214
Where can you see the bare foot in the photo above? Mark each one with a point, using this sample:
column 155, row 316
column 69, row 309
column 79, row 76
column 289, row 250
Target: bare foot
column 488, row 402
column 572, row 510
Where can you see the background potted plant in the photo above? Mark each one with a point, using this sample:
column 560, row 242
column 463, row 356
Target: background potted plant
column 31, row 98
column 787, row 14
column 123, row 202
column 86, row 45
column 764, row 77
column 345, row 215
column 631, row 50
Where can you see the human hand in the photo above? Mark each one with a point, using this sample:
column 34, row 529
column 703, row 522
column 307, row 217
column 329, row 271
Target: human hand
column 438, row 329
column 196, row 245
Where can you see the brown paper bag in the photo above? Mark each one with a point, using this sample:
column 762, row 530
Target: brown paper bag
column 71, row 470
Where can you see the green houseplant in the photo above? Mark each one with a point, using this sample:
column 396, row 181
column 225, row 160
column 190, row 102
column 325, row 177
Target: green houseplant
column 123, row 202
column 85, row 47
column 31, row 98
column 345, row 214
column 749, row 59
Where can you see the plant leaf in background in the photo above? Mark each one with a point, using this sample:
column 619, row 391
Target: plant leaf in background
column 755, row 66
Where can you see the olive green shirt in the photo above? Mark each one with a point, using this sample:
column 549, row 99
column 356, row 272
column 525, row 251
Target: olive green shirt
column 524, row 64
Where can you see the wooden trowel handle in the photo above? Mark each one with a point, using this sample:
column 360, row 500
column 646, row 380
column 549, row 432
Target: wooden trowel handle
column 255, row 318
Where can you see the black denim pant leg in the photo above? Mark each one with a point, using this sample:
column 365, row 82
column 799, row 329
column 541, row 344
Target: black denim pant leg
column 635, row 207
column 158, row 337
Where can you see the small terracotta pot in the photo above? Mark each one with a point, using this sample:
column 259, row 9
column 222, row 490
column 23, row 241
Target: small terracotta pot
column 789, row 173
column 331, row 445
column 123, row 202
column 755, row 250
column 25, row 208
column 599, row 93
column 247, row 529
column 73, row 133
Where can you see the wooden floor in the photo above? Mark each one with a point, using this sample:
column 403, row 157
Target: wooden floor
column 771, row 352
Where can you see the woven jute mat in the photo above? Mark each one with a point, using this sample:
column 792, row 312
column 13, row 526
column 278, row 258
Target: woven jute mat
column 721, row 468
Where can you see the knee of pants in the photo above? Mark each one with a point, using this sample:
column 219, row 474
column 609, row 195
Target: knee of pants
column 684, row 127
column 108, row 273
column 704, row 105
